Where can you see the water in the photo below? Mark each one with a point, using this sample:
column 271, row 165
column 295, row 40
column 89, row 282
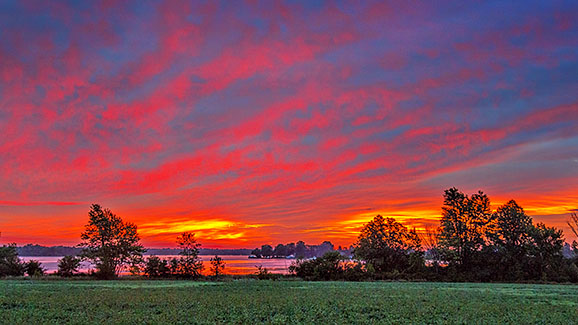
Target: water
column 234, row 264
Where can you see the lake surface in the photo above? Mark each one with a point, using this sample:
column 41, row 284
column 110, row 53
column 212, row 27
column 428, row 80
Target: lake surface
column 234, row 264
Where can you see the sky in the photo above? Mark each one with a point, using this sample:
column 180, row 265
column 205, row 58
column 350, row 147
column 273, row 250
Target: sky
column 264, row 122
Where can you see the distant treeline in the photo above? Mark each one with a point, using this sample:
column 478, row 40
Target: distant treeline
column 39, row 250
column 202, row 251
column 297, row 250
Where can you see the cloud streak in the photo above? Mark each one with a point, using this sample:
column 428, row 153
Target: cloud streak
column 299, row 117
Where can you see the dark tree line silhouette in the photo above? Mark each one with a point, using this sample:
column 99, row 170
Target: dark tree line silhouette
column 504, row 245
column 472, row 243
column 39, row 250
column 293, row 250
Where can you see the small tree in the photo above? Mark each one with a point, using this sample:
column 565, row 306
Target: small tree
column 155, row 267
column 511, row 238
column 256, row 252
column 266, row 251
column 512, row 226
column 280, row 251
column 300, row 249
column 68, row 265
column 136, row 265
column 34, row 268
column 109, row 242
column 190, row 264
column 263, row 273
column 217, row 266
column 546, row 249
column 10, row 264
column 386, row 244
column 174, row 266
column 463, row 226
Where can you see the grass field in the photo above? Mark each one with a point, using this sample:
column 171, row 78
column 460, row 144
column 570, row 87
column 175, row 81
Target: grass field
column 282, row 302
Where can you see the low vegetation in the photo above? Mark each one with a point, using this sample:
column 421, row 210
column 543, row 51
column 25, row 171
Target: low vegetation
column 283, row 302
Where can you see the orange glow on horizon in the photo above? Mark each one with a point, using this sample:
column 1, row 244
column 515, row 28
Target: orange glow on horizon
column 161, row 230
column 226, row 234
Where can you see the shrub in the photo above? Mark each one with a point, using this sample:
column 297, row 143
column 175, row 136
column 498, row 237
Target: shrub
column 328, row 267
column 189, row 263
column 68, row 265
column 217, row 266
column 34, row 268
column 155, row 267
column 263, row 273
column 357, row 271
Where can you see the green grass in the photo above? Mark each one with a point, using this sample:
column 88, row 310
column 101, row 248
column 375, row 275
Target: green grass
column 282, row 302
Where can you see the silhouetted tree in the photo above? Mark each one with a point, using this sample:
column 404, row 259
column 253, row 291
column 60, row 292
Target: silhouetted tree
column 155, row 267
column 300, row 250
column 511, row 239
column 290, row 249
column 174, row 266
column 263, row 273
column 34, row 268
column 386, row 245
column 68, row 265
column 463, row 226
column 280, row 251
column 512, row 227
column 217, row 266
column 109, row 242
column 546, row 250
column 10, row 264
column 256, row 252
column 266, row 251
column 136, row 265
column 190, row 264
column 325, row 247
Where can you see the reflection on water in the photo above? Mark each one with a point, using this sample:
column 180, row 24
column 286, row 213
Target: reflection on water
column 234, row 264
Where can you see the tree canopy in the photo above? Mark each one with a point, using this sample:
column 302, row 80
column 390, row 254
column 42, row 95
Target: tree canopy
column 68, row 265
column 190, row 265
column 217, row 266
column 109, row 242
column 386, row 244
column 10, row 264
column 463, row 225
